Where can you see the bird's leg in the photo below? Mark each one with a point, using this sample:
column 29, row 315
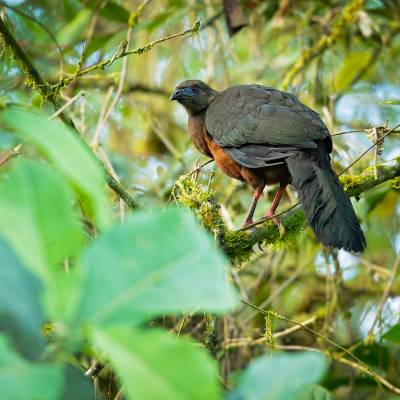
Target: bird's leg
column 257, row 195
column 271, row 212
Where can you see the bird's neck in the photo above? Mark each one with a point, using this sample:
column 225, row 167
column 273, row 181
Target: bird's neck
column 197, row 132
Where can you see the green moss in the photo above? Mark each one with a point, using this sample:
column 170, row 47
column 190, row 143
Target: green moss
column 210, row 216
column 237, row 245
column 201, row 200
column 190, row 193
column 353, row 184
column 396, row 183
column 294, row 225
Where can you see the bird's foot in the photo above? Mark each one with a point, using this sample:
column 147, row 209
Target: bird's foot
column 247, row 222
column 276, row 221
column 271, row 216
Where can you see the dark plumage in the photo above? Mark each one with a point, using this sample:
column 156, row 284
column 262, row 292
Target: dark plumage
column 261, row 136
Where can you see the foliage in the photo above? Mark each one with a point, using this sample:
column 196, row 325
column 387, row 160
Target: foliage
column 269, row 377
column 105, row 301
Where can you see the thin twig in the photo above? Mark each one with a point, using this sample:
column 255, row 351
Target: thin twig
column 90, row 32
column 342, row 360
column 241, row 342
column 362, row 131
column 265, row 219
column 94, row 370
column 369, row 148
column 199, row 167
column 376, row 376
column 280, row 289
column 385, row 294
column 10, row 154
column 312, row 331
column 120, row 53
column 123, row 75
column 109, row 108
column 359, row 365
column 95, row 139
column 67, row 104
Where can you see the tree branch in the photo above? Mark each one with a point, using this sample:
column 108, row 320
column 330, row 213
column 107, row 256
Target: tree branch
column 97, row 82
column 120, row 52
column 35, row 80
column 238, row 245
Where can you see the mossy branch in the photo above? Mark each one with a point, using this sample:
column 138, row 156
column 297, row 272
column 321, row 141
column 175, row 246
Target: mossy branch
column 35, row 80
column 238, row 245
column 119, row 53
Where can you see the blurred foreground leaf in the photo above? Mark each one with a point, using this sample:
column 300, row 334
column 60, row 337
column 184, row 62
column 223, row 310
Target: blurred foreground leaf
column 36, row 215
column 38, row 220
column 315, row 392
column 23, row 380
column 20, row 310
column 66, row 153
column 155, row 364
column 279, row 376
column 152, row 264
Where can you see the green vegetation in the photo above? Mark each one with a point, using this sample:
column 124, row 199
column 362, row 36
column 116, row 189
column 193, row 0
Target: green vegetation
column 124, row 273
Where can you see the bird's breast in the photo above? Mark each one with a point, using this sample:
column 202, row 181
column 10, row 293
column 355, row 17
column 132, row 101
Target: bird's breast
column 198, row 133
column 224, row 162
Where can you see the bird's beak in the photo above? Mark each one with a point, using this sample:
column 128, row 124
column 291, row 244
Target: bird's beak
column 181, row 93
column 175, row 95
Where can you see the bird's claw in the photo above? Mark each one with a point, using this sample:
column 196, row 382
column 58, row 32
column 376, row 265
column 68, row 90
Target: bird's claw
column 271, row 216
column 247, row 223
column 277, row 222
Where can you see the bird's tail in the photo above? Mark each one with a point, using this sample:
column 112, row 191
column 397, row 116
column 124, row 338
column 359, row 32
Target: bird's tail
column 326, row 206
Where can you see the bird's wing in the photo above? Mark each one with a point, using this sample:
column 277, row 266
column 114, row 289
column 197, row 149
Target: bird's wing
column 258, row 156
column 256, row 124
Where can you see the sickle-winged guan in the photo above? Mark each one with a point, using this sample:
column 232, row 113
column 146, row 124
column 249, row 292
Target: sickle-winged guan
column 262, row 136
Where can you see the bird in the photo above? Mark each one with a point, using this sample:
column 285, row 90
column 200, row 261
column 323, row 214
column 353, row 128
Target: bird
column 263, row 136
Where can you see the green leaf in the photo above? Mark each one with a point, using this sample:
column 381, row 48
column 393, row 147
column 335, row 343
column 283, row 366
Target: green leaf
column 20, row 310
column 37, row 219
column 280, row 376
column 74, row 29
column 77, row 386
column 315, row 392
column 150, row 265
column 393, row 334
column 65, row 151
column 353, row 63
column 36, row 215
column 23, row 380
column 154, row 364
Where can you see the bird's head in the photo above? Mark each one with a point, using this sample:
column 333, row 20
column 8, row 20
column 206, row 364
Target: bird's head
column 194, row 95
